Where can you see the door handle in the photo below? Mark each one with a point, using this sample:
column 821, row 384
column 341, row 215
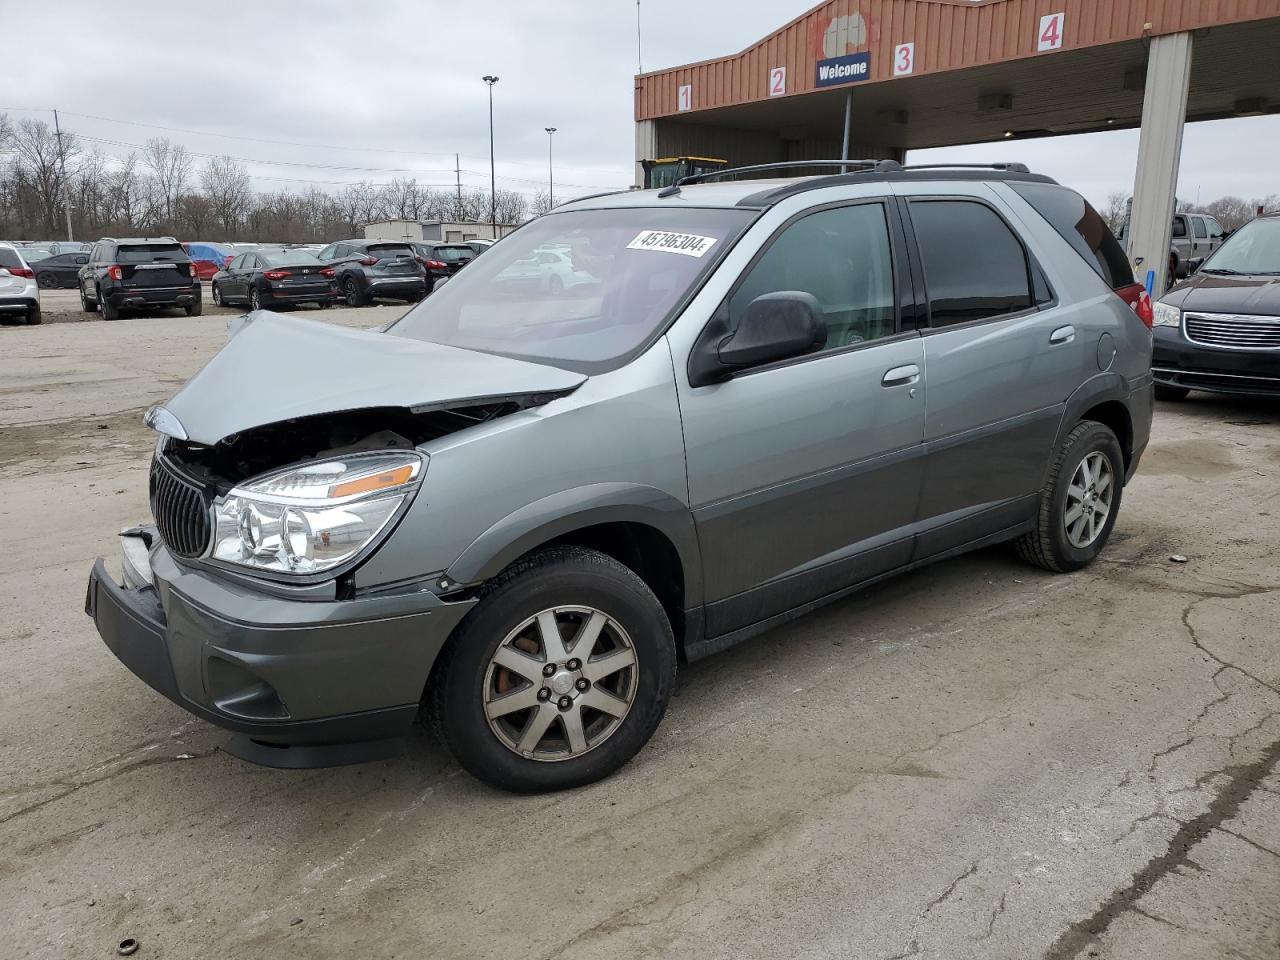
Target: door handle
column 899, row 376
column 1063, row 335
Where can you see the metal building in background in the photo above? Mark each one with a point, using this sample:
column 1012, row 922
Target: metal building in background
column 929, row 73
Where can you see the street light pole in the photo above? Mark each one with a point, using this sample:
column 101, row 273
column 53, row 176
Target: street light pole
column 551, row 176
column 493, row 178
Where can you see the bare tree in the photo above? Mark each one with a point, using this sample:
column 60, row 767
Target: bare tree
column 226, row 186
column 1117, row 210
column 540, row 204
column 170, row 167
column 42, row 159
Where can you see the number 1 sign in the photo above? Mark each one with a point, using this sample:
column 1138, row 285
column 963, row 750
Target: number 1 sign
column 684, row 98
column 1050, row 35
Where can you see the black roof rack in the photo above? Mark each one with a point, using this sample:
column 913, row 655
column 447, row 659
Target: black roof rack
column 879, row 166
column 1011, row 167
column 883, row 171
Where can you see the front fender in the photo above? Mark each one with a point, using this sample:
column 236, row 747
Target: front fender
column 569, row 510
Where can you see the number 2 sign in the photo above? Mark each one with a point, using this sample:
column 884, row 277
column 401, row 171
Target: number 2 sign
column 1050, row 35
column 904, row 59
column 684, row 98
column 777, row 81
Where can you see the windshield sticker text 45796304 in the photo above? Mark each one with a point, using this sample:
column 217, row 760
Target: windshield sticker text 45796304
column 688, row 244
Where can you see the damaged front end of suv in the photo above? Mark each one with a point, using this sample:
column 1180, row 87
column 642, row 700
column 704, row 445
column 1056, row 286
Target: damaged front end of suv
column 243, row 603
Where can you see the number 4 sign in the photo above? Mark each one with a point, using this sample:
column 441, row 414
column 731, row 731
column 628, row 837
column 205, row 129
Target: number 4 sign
column 1050, row 35
column 904, row 59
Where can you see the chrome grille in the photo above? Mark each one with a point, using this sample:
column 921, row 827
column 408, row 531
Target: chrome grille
column 180, row 510
column 1233, row 331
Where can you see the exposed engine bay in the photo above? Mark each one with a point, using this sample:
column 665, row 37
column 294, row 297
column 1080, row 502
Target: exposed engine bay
column 251, row 453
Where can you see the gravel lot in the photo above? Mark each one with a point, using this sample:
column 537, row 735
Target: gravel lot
column 974, row 760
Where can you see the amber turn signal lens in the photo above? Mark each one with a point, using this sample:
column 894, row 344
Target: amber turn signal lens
column 378, row 481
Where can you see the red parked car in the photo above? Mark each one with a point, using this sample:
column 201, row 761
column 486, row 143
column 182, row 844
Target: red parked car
column 207, row 258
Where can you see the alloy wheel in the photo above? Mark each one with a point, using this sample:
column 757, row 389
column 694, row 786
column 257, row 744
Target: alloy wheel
column 217, row 295
column 255, row 299
column 560, row 684
column 1089, row 499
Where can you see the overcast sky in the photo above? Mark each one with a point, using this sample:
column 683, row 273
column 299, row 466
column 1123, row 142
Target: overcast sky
column 334, row 92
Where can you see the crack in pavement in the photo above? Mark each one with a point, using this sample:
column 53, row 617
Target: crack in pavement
column 942, row 897
column 1195, row 638
column 995, row 915
column 1242, row 780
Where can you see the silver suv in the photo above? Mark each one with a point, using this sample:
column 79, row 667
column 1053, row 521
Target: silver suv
column 19, row 292
column 518, row 508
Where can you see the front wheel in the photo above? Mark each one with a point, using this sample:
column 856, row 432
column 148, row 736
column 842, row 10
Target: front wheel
column 217, row 296
column 559, row 676
column 87, row 305
column 1171, row 394
column 1079, row 502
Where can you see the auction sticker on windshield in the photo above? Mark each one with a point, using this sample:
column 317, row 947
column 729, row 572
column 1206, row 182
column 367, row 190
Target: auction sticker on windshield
column 688, row 244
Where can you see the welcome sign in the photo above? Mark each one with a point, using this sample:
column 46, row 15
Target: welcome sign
column 848, row 69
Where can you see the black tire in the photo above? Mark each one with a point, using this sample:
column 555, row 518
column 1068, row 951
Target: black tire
column 1171, row 394
column 195, row 309
column 255, row 299
column 324, row 304
column 47, row 281
column 558, row 576
column 351, row 292
column 106, row 309
column 217, row 296
column 33, row 315
column 1047, row 545
column 87, row 305
column 555, row 285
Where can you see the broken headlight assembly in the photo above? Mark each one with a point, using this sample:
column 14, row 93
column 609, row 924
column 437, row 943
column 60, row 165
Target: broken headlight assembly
column 311, row 518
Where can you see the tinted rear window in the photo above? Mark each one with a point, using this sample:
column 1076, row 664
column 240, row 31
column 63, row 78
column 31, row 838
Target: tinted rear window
column 9, row 258
column 454, row 254
column 386, row 251
column 150, row 253
column 1082, row 227
column 284, row 258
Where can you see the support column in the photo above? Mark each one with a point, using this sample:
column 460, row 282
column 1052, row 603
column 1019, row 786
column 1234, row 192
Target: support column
column 646, row 146
column 1164, row 114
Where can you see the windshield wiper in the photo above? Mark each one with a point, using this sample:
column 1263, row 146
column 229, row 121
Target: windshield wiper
column 1224, row 271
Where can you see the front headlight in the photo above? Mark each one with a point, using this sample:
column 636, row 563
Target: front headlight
column 1167, row 315
column 312, row 518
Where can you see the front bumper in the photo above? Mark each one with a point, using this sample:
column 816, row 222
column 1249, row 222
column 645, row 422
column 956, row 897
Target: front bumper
column 1177, row 362
column 143, row 298
column 299, row 680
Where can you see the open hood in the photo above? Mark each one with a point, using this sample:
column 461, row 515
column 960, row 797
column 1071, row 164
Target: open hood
column 278, row 368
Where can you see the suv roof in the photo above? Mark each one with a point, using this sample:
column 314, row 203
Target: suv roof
column 136, row 240
column 711, row 190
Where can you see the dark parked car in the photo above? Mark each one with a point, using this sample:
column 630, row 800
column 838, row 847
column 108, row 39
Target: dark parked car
column 518, row 509
column 365, row 269
column 452, row 257
column 138, row 274
column 267, row 278
column 1220, row 330
column 60, row 270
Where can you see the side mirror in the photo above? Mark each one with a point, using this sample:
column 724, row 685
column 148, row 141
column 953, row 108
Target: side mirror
column 776, row 326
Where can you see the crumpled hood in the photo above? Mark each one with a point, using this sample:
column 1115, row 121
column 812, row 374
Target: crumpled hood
column 277, row 367
column 1214, row 293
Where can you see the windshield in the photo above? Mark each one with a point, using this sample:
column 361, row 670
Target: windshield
column 1254, row 249
column 623, row 272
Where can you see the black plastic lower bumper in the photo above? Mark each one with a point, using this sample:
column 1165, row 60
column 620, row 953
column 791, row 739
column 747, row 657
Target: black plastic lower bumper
column 1177, row 362
column 133, row 625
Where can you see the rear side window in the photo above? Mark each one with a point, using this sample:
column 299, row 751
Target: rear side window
column 150, row 253
column 1197, row 224
column 1082, row 227
column 974, row 266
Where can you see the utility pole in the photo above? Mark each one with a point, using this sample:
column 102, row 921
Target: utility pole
column 551, row 176
column 639, row 58
column 493, row 177
column 66, row 187
column 457, row 169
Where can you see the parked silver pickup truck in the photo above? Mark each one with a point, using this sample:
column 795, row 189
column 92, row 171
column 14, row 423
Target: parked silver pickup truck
column 1194, row 237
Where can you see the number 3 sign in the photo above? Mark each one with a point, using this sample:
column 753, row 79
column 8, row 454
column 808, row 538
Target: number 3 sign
column 904, row 59
column 1050, row 35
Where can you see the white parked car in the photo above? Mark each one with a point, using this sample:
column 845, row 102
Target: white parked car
column 551, row 268
column 19, row 292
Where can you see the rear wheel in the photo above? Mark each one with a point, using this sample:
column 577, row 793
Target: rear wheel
column 1079, row 502
column 351, row 292
column 560, row 674
column 33, row 314
column 195, row 309
column 255, row 299
column 47, row 280
column 107, row 310
column 1171, row 394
